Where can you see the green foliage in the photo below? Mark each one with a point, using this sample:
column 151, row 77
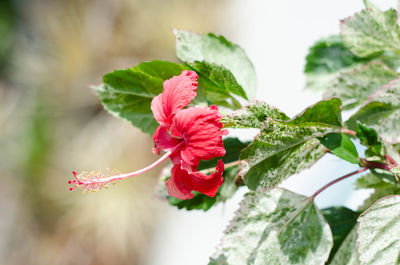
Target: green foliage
column 252, row 116
column 286, row 147
column 326, row 113
column 329, row 55
column 325, row 59
column 369, row 4
column 378, row 178
column 353, row 86
column 7, row 22
column 217, row 83
column 386, row 175
column 128, row 93
column 274, row 169
column 211, row 49
column 340, row 145
column 341, row 220
column 275, row 227
column 371, row 32
column 369, row 138
column 379, row 232
column 377, row 194
column 218, row 77
column 373, row 181
column 347, row 252
column 381, row 112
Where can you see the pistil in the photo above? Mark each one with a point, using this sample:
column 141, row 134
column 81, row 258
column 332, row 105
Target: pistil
column 95, row 181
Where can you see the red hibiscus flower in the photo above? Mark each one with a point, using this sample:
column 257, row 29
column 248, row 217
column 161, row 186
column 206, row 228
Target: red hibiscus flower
column 186, row 135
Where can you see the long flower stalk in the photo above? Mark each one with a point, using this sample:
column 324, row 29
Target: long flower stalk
column 96, row 181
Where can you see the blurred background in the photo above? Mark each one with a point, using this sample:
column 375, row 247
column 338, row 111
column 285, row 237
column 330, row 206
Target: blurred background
column 51, row 123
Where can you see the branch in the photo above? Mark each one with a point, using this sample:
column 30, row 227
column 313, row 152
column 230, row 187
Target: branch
column 337, row 180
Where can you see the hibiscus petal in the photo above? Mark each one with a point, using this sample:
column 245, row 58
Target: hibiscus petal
column 163, row 141
column 175, row 186
column 196, row 180
column 200, row 128
column 208, row 184
column 177, row 94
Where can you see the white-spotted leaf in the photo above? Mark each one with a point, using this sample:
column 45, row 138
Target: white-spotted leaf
column 379, row 232
column 275, row 227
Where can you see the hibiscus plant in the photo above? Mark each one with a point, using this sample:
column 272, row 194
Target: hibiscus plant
column 189, row 108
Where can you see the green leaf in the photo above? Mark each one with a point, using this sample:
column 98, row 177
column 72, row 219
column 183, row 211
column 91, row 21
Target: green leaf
column 218, row 78
column 369, row 4
column 252, row 116
column 341, row 145
column 396, row 170
column 128, row 93
column 391, row 150
column 324, row 113
column 390, row 58
column 381, row 112
column 371, row 32
column 275, row 227
column 347, row 253
column 379, row 232
column 211, row 49
column 203, row 202
column 372, row 181
column 329, row 55
column 198, row 202
column 386, row 176
column 369, row 138
column 378, row 193
column 341, row 220
column 286, row 147
column 274, row 169
column 325, row 59
column 216, row 84
column 8, row 19
column 353, row 86
column 375, row 152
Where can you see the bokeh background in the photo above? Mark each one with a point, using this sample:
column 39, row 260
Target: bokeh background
column 51, row 122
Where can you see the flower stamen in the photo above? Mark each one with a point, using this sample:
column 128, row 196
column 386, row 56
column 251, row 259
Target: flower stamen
column 94, row 180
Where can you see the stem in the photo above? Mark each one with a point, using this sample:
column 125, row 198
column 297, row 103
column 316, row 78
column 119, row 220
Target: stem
column 397, row 178
column 373, row 164
column 337, row 180
column 349, row 132
column 231, row 164
column 239, row 181
column 391, row 160
column 124, row 176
